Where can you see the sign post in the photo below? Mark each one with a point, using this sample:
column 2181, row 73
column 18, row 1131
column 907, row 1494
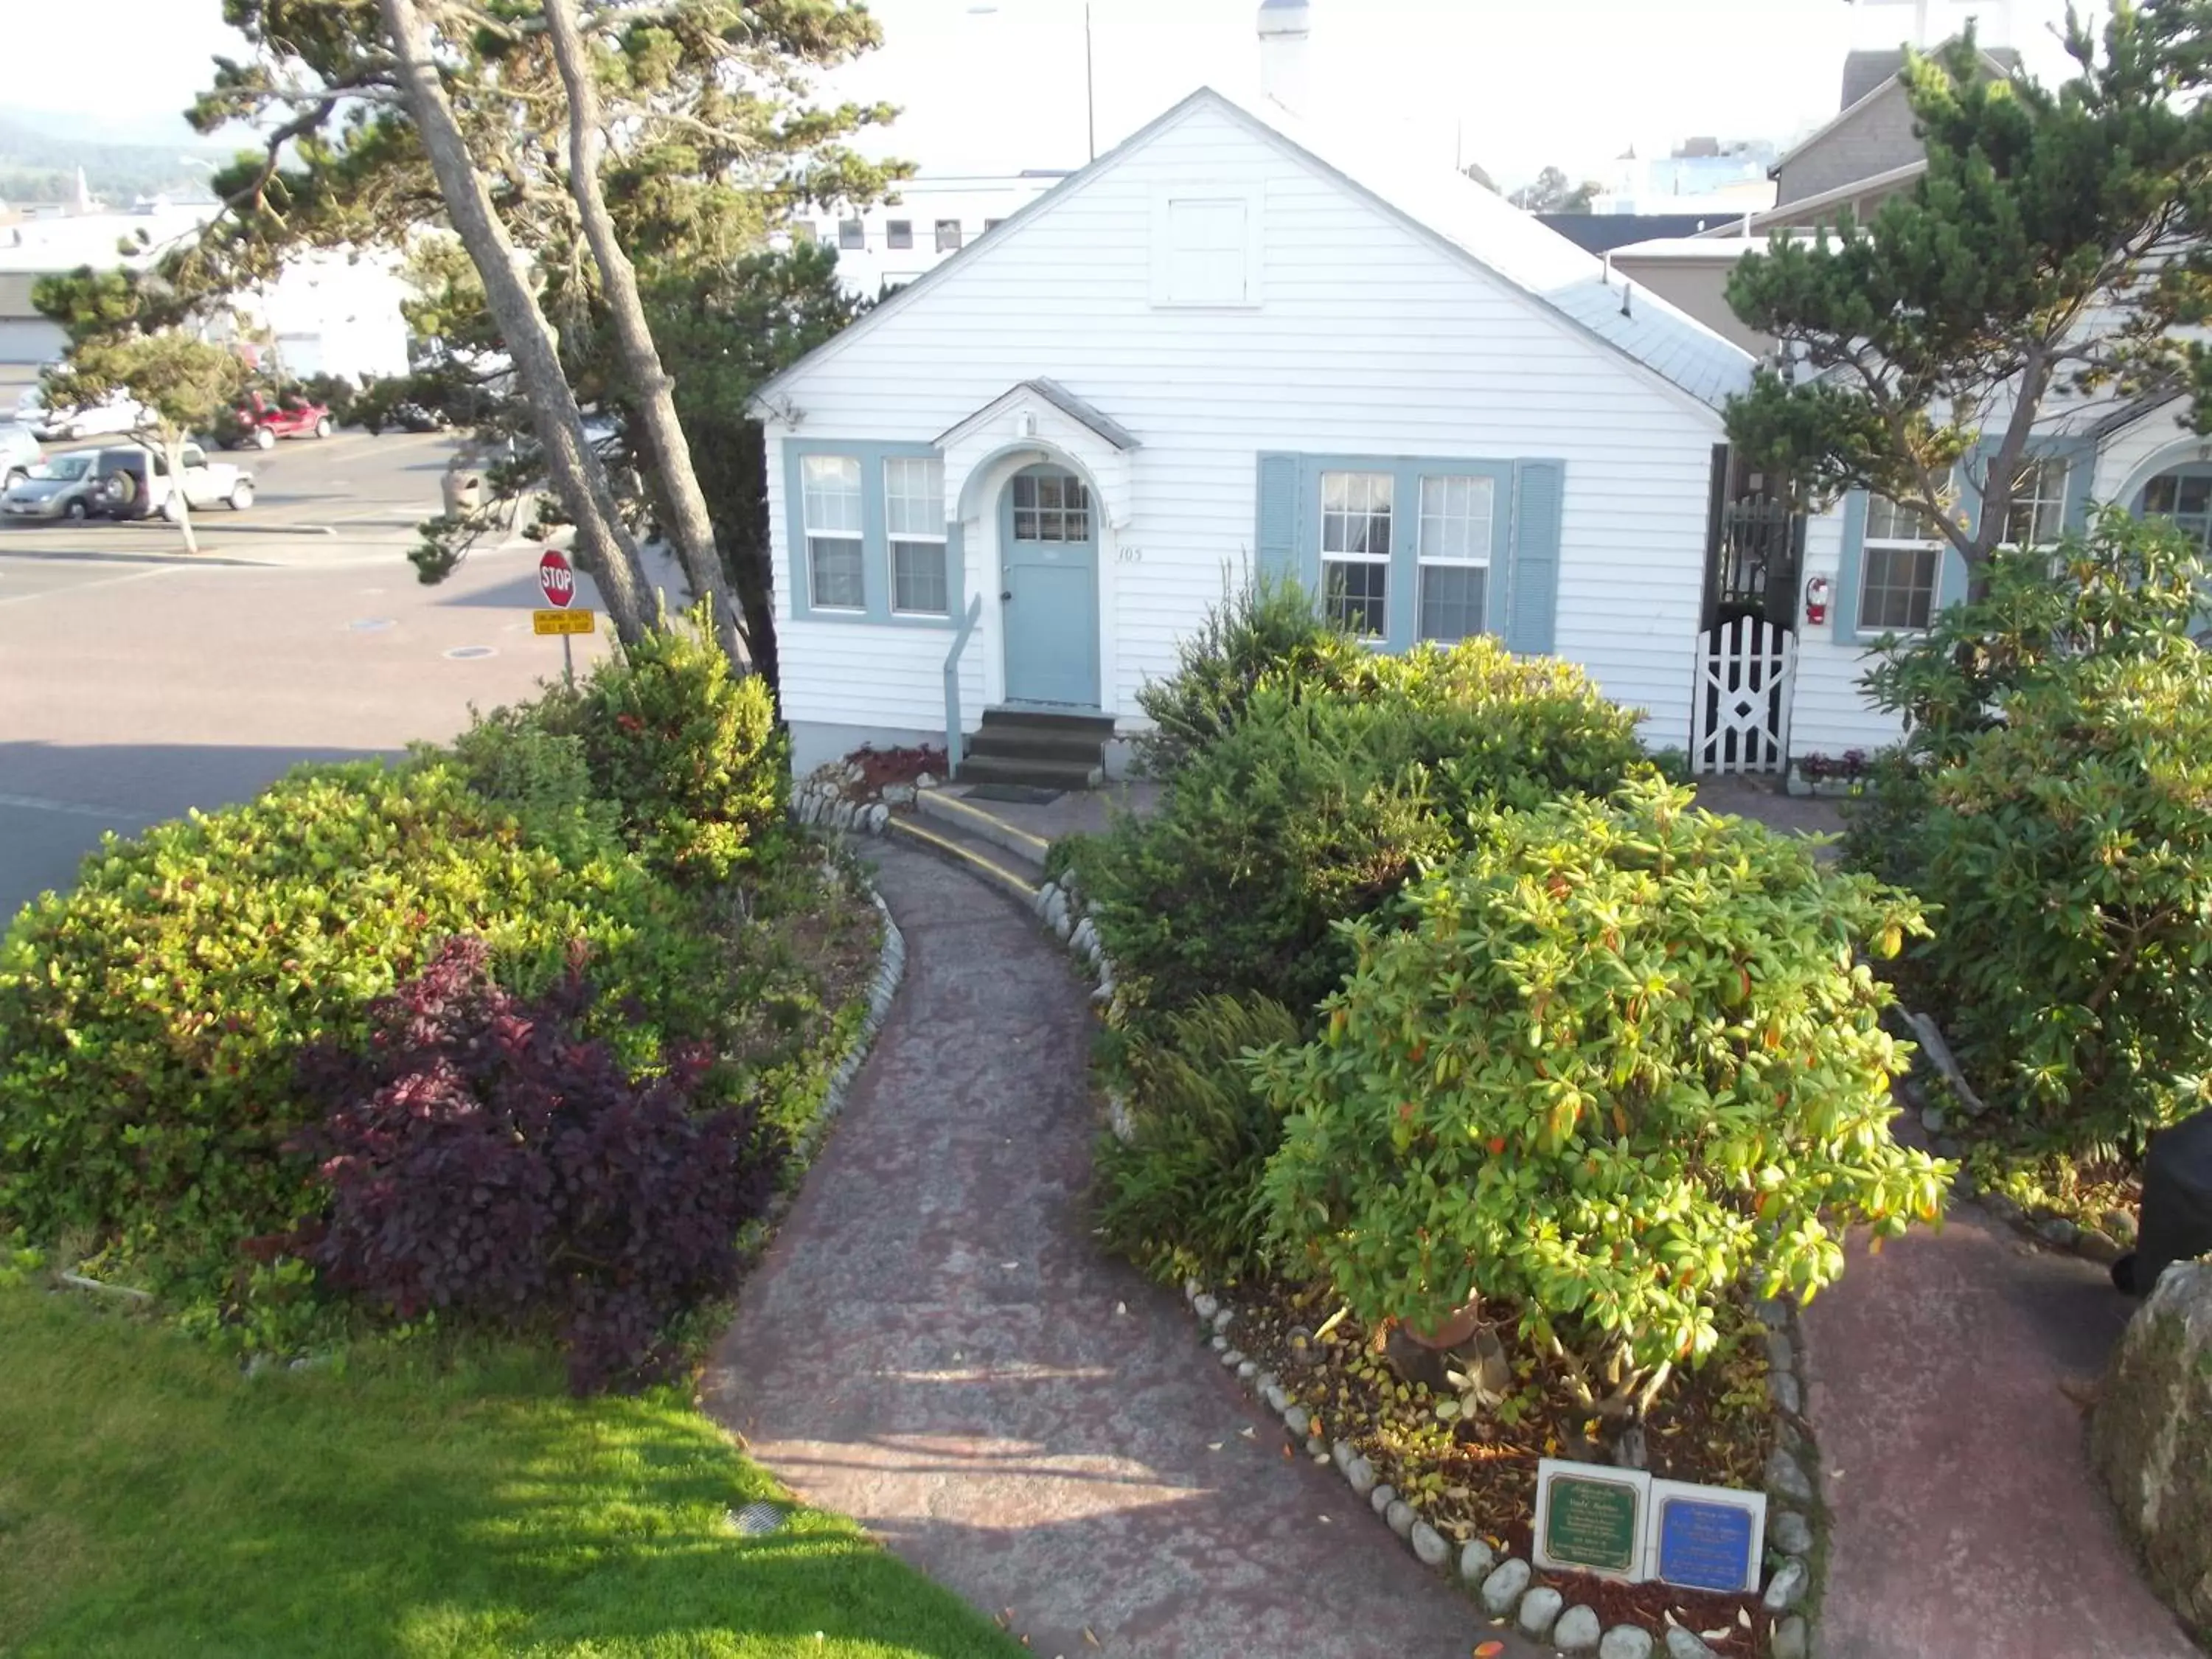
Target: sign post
column 557, row 577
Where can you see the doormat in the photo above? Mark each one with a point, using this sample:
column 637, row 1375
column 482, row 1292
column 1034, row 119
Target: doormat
column 1017, row 794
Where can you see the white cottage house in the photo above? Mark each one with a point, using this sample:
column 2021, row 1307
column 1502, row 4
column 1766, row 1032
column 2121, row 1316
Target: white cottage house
column 1237, row 343
column 1232, row 344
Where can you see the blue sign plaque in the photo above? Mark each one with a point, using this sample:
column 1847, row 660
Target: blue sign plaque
column 1706, row 1545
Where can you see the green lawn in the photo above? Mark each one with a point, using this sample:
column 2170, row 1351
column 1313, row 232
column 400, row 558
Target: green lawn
column 153, row 1501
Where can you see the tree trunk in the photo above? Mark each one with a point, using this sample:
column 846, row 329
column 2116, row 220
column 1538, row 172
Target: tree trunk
column 577, row 478
column 688, row 522
column 173, row 457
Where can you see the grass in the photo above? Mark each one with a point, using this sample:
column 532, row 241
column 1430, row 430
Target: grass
column 154, row 1501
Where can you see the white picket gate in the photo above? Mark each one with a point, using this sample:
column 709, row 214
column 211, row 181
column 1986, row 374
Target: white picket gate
column 1740, row 717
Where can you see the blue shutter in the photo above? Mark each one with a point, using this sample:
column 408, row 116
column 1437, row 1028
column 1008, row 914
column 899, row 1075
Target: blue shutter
column 795, row 506
column 1276, row 535
column 1844, row 612
column 1532, row 595
column 2081, row 454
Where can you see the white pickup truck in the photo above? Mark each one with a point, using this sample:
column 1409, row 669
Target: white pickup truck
column 134, row 483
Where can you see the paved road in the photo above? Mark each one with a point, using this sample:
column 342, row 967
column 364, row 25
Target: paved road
column 135, row 683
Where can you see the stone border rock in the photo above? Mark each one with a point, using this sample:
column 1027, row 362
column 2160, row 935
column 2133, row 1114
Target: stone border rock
column 2103, row 1245
column 1504, row 1588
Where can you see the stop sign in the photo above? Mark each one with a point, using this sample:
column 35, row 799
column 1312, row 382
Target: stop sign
column 557, row 577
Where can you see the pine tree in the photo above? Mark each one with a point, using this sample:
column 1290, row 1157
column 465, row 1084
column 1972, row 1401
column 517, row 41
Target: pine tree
column 2053, row 256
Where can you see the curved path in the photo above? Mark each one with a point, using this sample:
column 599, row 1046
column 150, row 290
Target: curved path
column 936, row 1347
column 1968, row 1523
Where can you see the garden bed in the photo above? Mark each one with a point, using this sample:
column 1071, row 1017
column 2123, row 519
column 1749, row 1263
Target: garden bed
column 1715, row 1426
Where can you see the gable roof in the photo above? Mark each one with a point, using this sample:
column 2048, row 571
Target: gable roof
column 1480, row 228
column 2001, row 65
column 1075, row 408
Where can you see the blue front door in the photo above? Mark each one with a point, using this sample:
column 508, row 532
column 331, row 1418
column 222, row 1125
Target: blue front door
column 1049, row 535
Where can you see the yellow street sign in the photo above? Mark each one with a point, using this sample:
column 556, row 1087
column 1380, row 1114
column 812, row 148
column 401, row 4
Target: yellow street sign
column 561, row 621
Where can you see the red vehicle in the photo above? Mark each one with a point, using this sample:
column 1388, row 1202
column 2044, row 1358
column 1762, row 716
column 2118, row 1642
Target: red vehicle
column 289, row 417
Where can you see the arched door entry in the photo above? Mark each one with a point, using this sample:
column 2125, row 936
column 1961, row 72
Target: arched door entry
column 1048, row 604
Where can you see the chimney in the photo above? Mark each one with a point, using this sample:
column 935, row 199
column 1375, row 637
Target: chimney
column 1285, row 27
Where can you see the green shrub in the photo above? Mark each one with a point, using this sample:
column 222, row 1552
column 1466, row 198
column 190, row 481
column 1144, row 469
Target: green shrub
column 1317, row 806
column 1271, row 630
column 151, row 1018
column 1181, row 1196
column 1612, row 1067
column 2053, row 804
column 686, row 749
column 512, row 757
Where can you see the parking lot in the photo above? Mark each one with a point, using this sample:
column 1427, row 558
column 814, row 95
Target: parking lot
column 136, row 681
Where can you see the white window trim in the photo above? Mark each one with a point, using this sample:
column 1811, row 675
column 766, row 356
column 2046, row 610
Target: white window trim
column 2038, row 466
column 1486, row 495
column 893, row 538
column 1254, row 195
column 1873, row 543
column 1327, row 558
column 858, row 538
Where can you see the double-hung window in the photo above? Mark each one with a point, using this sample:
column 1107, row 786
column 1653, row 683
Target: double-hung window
column 836, row 565
column 1456, row 515
column 852, row 233
column 1356, row 510
column 1898, row 566
column 948, row 235
column 2037, row 517
column 914, row 519
column 898, row 232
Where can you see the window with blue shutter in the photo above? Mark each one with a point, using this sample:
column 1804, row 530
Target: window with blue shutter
column 1403, row 549
column 865, row 537
column 1897, row 571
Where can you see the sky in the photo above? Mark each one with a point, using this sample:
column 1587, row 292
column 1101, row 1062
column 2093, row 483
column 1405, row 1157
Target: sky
column 1512, row 84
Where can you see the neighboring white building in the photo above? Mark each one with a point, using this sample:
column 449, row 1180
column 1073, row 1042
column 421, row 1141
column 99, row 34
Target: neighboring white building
column 336, row 313
column 327, row 312
column 934, row 218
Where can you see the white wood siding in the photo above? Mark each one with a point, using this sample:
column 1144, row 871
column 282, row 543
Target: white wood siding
column 1371, row 340
column 1829, row 714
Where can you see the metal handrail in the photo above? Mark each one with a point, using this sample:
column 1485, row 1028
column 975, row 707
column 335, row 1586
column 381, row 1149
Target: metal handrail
column 952, row 727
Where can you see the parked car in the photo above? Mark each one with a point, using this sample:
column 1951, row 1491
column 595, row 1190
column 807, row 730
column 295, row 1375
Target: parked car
column 134, row 482
column 59, row 489
column 66, row 423
column 19, row 454
column 263, row 422
column 417, row 417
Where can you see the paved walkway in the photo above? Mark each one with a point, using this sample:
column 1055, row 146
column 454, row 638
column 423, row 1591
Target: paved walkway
column 1968, row 1524
column 936, row 1347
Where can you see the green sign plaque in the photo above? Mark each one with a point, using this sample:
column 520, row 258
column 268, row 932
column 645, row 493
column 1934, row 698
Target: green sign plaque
column 1590, row 1518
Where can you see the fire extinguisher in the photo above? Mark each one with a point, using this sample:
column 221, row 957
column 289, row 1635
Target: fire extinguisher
column 1816, row 600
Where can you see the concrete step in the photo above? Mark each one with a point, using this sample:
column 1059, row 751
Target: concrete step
column 1027, row 742
column 1035, row 770
column 1098, row 727
column 1025, row 851
column 988, row 863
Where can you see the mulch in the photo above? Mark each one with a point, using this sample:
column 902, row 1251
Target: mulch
column 880, row 767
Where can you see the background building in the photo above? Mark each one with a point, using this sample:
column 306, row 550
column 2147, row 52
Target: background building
column 934, row 217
